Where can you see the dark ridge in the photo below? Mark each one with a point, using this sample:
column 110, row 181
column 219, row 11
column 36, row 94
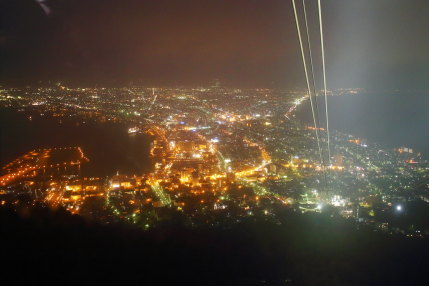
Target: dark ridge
column 41, row 245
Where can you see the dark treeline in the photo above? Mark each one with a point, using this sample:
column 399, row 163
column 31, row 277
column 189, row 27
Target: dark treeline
column 41, row 245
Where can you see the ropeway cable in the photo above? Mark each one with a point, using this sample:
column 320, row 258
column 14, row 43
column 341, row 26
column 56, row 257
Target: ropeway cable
column 324, row 79
column 314, row 87
column 312, row 76
column 307, row 80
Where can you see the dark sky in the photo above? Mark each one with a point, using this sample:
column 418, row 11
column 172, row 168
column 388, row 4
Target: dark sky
column 369, row 43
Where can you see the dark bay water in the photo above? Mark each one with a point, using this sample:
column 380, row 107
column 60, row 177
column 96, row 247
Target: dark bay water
column 108, row 145
column 392, row 120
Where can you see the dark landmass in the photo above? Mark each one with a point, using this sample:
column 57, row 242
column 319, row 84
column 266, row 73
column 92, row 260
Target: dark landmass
column 41, row 245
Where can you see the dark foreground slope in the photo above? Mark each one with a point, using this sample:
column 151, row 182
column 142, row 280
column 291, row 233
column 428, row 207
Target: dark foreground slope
column 46, row 246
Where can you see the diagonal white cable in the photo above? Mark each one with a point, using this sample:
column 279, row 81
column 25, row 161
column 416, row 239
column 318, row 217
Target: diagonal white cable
column 306, row 77
column 324, row 79
column 313, row 78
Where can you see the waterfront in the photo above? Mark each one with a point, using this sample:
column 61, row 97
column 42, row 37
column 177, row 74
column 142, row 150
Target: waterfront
column 219, row 156
column 393, row 120
column 108, row 145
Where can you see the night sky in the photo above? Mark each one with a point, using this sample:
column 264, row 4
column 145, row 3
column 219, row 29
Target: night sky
column 371, row 44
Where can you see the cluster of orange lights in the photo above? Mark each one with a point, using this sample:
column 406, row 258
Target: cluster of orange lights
column 355, row 141
column 314, row 128
column 22, row 169
column 11, row 176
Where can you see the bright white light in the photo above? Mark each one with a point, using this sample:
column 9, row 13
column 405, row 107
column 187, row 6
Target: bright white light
column 399, row 208
column 319, row 206
column 338, row 201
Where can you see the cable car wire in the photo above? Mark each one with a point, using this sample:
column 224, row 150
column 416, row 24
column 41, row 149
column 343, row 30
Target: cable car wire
column 319, row 6
column 307, row 80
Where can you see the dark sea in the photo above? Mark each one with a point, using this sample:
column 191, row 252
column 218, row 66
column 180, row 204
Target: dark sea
column 108, row 145
column 393, row 120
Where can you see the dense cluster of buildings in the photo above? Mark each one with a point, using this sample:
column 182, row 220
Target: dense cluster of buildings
column 219, row 155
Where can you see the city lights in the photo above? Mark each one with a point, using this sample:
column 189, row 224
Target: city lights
column 210, row 149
